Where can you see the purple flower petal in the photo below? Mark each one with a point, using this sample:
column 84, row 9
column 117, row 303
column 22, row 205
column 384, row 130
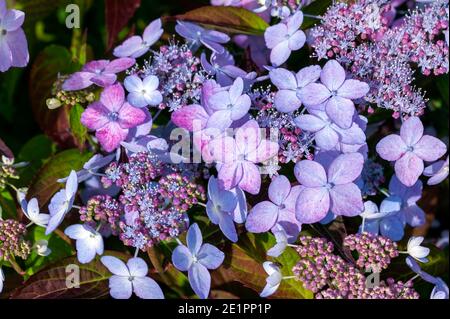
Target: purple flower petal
column 345, row 168
column 310, row 123
column 310, row 173
column 200, row 280
column 314, row 94
column 280, row 53
column 333, row 75
column 147, row 288
column 312, row 205
column 391, row 148
column 279, row 189
column 111, row 135
column 182, row 258
column 275, row 35
column 18, row 45
column 392, row 228
column 429, row 148
column 251, row 178
column 411, row 131
column 262, row 217
column 194, row 239
column 283, row 79
column 286, row 101
column 327, row 138
column 115, row 266
column 346, row 200
column 119, row 65
column 137, row 267
column 308, row 75
column 210, row 257
column 95, row 116
column 353, row 89
column 297, row 40
column 78, row 81
column 408, row 168
column 341, row 111
column 120, row 287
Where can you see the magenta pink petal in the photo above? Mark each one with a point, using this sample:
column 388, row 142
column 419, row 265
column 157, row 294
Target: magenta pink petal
column 111, row 135
column 95, row 116
column 130, row 116
column 113, row 97
column 251, row 178
column 119, row 65
column 78, row 81
column 186, row 116
column 230, row 175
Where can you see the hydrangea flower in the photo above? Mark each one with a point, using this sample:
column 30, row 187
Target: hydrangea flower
column 91, row 167
column 274, row 279
column 143, row 92
column 335, row 93
column 197, row 36
column 101, row 72
column 284, row 38
column 328, row 135
column 237, row 157
column 440, row 290
column 410, row 212
column 32, row 212
column 277, row 213
column 333, row 190
column 416, row 251
column 220, row 205
column 229, row 106
column 385, row 221
column 61, row 203
column 281, row 243
column 409, row 150
column 437, row 172
column 137, row 46
column 289, row 84
column 196, row 258
column 222, row 67
column 13, row 42
column 42, row 248
column 88, row 241
column 131, row 277
column 112, row 117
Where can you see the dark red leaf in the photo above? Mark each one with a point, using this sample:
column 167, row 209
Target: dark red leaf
column 118, row 13
column 4, row 150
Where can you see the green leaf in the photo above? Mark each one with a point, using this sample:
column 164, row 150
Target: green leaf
column 52, row 61
column 8, row 84
column 243, row 263
column 8, row 209
column 227, row 19
column 50, row 283
column 39, row 9
column 45, row 184
column 59, row 250
column 79, row 131
column 34, row 152
column 316, row 8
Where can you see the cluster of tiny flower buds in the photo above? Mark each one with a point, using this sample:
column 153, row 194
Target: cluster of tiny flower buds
column 12, row 242
column 61, row 97
column 7, row 171
column 361, row 36
column 103, row 212
column 294, row 144
column 373, row 251
column 154, row 197
column 179, row 72
column 330, row 276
